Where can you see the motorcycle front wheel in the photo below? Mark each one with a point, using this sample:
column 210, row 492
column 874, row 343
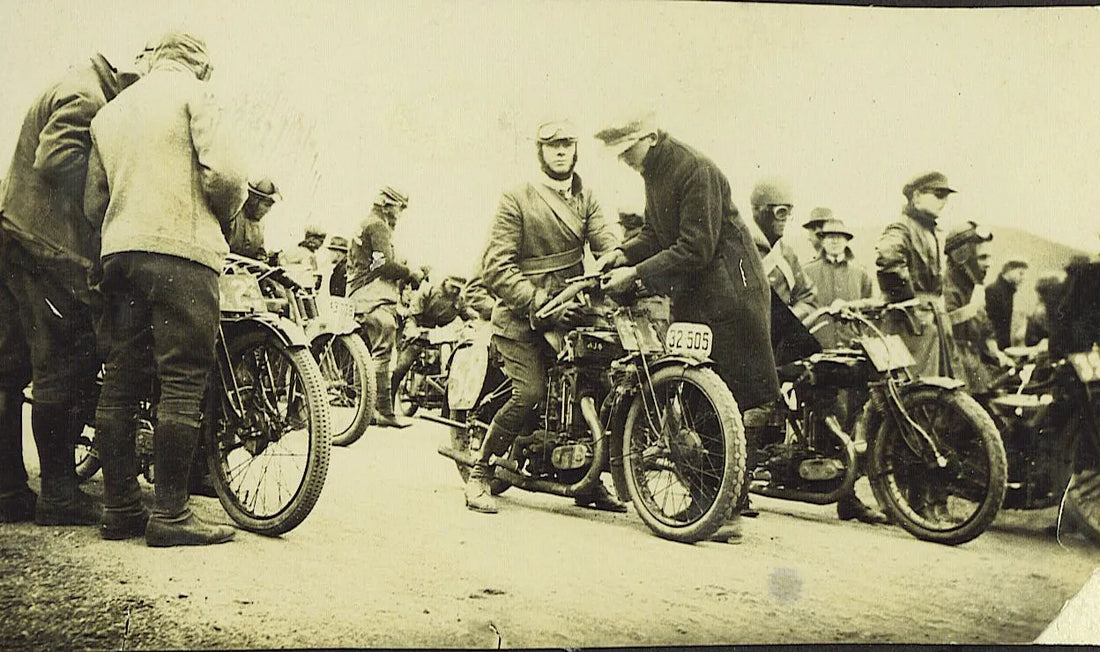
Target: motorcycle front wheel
column 349, row 373
column 949, row 505
column 268, row 435
column 404, row 402
column 1082, row 499
column 684, row 453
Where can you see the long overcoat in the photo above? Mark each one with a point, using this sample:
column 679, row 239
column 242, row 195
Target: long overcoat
column 696, row 247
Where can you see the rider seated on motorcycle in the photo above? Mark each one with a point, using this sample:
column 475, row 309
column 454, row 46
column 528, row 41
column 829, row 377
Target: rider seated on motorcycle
column 536, row 242
column 976, row 350
column 245, row 230
column 430, row 306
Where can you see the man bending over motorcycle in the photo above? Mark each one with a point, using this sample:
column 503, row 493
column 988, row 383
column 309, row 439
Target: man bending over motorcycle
column 536, row 241
column 430, row 306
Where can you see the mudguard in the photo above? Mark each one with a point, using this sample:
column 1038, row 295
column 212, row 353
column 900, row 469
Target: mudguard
column 613, row 415
column 468, row 366
column 872, row 413
column 288, row 332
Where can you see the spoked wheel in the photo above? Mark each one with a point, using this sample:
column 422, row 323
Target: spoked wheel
column 954, row 503
column 408, row 387
column 86, row 457
column 348, row 370
column 268, row 434
column 684, row 453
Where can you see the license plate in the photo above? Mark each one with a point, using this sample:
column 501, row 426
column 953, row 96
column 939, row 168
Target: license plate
column 693, row 340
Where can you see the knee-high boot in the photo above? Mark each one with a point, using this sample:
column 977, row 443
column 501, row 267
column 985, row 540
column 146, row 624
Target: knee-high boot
column 172, row 522
column 124, row 516
column 16, row 498
column 56, row 427
column 383, row 413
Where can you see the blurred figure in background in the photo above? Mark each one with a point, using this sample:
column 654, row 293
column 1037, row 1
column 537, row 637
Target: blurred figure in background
column 338, row 278
column 1048, row 288
column 631, row 224
column 304, row 256
column 837, row 278
column 812, row 247
column 1000, row 296
column 245, row 231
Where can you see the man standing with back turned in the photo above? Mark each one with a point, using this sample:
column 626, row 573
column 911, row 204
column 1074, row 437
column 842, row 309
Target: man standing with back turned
column 161, row 183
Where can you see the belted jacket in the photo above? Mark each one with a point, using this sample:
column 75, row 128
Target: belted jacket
column 909, row 257
column 375, row 274
column 536, row 242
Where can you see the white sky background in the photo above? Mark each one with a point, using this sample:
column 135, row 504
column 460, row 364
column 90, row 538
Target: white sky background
column 442, row 98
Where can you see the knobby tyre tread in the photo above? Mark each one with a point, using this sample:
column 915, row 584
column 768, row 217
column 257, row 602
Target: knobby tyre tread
column 320, row 442
column 733, row 434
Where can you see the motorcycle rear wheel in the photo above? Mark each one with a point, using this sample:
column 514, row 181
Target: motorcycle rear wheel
column 699, row 468
column 462, row 441
column 268, row 467
column 349, row 372
column 951, row 505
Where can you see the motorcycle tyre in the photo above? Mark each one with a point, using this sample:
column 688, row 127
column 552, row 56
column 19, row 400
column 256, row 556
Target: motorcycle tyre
column 980, row 420
column 733, row 483
column 1082, row 498
column 460, row 441
column 398, row 404
column 320, row 440
column 365, row 378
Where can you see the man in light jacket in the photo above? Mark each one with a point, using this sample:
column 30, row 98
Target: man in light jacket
column 161, row 184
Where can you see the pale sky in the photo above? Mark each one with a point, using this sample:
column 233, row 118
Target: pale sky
column 442, row 99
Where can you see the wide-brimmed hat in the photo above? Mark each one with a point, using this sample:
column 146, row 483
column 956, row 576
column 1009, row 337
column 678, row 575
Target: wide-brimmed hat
column 927, row 181
column 835, row 227
column 818, row 216
column 338, row 243
column 622, row 134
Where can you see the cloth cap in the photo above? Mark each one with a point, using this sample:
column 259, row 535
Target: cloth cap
column 183, row 48
column 818, row 216
column 965, row 234
column 631, row 220
column 622, row 135
column 836, row 226
column 1014, row 263
column 927, row 181
column 771, row 192
column 315, row 231
column 338, row 243
column 390, row 196
column 553, row 130
column 264, row 187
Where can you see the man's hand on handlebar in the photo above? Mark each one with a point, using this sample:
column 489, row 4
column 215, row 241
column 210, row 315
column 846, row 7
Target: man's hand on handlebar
column 568, row 316
column 610, row 260
column 619, row 280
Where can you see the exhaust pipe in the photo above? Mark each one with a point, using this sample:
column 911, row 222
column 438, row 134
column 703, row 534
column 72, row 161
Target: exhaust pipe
column 850, row 475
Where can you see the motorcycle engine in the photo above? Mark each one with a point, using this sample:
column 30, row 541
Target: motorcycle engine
column 556, row 454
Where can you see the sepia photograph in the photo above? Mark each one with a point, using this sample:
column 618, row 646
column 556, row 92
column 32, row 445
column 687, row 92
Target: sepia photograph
column 548, row 324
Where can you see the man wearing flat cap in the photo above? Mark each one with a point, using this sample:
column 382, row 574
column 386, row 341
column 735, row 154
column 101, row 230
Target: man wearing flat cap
column 695, row 247
column 910, row 265
column 245, row 231
column 536, row 242
column 376, row 277
column 174, row 181
column 338, row 277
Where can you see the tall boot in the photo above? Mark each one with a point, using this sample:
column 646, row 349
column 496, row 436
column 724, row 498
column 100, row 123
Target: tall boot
column 479, row 495
column 173, row 523
column 56, row 427
column 124, row 516
column 383, row 413
column 16, row 498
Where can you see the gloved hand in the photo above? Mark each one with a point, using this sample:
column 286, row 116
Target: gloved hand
column 610, row 260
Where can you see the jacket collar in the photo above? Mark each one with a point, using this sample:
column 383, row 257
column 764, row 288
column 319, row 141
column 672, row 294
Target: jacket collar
column 111, row 81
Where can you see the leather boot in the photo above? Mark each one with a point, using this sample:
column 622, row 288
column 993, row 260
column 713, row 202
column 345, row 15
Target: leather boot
column 16, row 498
column 851, row 507
column 600, row 498
column 755, row 421
column 383, row 413
column 61, row 502
column 479, row 495
column 172, row 522
column 124, row 515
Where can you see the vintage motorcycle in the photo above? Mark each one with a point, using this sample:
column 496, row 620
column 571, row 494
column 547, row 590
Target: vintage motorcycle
column 629, row 394
column 1049, row 416
column 933, row 456
column 344, row 359
column 425, row 383
column 266, row 434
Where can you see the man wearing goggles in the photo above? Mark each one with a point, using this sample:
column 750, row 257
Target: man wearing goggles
column 771, row 207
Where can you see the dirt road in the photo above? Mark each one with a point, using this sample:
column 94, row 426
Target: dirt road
column 390, row 557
